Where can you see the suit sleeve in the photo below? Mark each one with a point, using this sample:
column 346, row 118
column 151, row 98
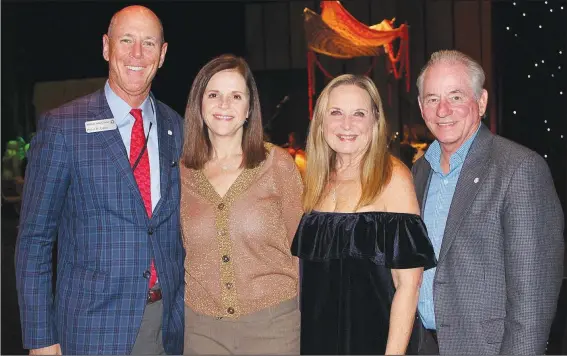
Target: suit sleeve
column 413, row 170
column 45, row 188
column 533, row 250
column 179, row 121
column 416, row 166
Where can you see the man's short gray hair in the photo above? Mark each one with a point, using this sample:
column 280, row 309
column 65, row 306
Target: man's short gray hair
column 473, row 68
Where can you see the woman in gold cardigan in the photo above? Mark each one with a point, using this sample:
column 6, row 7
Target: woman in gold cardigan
column 240, row 207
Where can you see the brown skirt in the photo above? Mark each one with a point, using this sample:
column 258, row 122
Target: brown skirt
column 274, row 330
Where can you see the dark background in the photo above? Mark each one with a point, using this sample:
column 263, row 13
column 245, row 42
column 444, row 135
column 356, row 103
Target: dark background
column 53, row 41
column 50, row 41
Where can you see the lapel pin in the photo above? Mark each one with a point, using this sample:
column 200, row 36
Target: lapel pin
column 169, row 132
column 475, row 180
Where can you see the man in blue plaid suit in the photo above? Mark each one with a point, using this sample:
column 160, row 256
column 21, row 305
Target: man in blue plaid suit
column 494, row 219
column 80, row 189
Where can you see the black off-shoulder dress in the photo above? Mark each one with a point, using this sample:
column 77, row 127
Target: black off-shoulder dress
column 347, row 287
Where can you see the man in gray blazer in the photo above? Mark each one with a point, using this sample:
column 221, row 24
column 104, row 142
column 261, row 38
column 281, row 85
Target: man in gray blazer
column 494, row 219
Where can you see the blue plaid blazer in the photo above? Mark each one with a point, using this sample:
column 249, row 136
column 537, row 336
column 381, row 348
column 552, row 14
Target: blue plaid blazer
column 79, row 189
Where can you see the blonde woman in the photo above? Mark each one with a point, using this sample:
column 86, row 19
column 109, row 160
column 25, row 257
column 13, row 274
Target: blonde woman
column 361, row 240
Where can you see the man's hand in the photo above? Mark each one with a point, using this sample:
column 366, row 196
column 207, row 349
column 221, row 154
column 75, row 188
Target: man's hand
column 49, row 350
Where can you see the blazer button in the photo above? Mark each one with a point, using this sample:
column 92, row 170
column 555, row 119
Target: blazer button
column 147, row 274
column 221, row 206
column 230, row 310
column 225, row 258
column 150, row 231
column 229, row 285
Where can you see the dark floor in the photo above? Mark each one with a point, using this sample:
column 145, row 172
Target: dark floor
column 11, row 333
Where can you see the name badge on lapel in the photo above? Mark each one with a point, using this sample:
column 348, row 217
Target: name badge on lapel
column 100, row 125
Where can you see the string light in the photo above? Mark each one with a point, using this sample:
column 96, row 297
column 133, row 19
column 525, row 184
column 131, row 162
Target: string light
column 547, row 55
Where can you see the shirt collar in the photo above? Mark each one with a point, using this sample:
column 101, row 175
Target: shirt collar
column 433, row 154
column 121, row 110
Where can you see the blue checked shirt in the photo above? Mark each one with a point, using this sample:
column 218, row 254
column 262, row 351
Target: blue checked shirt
column 439, row 197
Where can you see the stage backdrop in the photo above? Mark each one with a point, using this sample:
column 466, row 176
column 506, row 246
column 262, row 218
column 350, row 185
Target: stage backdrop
column 49, row 95
column 275, row 40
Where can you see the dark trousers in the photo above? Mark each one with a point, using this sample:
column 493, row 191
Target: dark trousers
column 149, row 340
column 428, row 344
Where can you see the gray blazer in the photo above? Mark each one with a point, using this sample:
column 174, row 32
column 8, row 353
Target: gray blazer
column 501, row 261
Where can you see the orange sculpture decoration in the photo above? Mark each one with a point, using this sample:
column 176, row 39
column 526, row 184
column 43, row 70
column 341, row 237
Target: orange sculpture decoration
column 336, row 33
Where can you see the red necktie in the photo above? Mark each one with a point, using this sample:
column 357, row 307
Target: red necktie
column 142, row 171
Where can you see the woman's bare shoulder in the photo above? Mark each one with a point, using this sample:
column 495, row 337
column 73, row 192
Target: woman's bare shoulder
column 401, row 174
column 399, row 194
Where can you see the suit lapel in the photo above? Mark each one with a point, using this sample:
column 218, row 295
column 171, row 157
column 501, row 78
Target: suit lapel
column 166, row 143
column 471, row 178
column 112, row 141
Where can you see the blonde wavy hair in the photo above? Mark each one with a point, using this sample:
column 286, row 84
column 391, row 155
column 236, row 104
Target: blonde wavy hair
column 376, row 164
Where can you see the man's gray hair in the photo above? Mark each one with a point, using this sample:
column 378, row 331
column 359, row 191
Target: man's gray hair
column 473, row 68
